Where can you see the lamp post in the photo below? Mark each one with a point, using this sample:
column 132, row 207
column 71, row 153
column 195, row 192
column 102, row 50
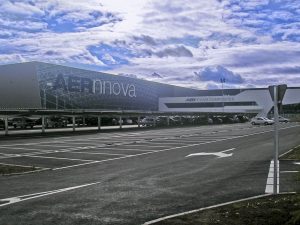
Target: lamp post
column 45, row 93
column 45, row 98
column 222, row 80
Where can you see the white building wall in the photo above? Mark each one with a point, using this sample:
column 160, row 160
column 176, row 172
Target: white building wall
column 261, row 96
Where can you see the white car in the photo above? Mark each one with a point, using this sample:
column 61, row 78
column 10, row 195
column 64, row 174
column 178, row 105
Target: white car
column 282, row 119
column 147, row 122
column 261, row 121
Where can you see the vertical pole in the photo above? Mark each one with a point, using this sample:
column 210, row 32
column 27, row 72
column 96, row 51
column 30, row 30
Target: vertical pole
column 222, row 98
column 45, row 99
column 275, row 188
column 6, row 125
column 139, row 121
column 73, row 122
column 154, row 121
column 43, row 124
column 99, row 122
column 168, row 120
column 56, row 101
column 120, row 122
column 83, row 121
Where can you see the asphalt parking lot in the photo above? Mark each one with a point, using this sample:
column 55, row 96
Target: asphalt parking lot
column 134, row 176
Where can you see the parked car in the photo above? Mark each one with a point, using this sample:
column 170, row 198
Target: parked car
column 282, row 119
column 261, row 121
column 216, row 120
column 23, row 122
column 56, row 122
column 147, row 121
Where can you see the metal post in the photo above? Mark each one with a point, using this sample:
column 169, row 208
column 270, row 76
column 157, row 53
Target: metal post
column 154, row 121
column 222, row 81
column 99, row 122
column 56, row 101
column 139, row 121
column 45, row 99
column 276, row 142
column 83, row 121
column 168, row 121
column 6, row 125
column 120, row 122
column 43, row 124
column 73, row 121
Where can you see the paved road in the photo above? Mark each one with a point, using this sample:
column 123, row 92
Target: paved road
column 136, row 176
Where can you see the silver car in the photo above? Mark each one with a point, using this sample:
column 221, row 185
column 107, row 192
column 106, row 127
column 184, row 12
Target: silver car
column 282, row 119
column 261, row 121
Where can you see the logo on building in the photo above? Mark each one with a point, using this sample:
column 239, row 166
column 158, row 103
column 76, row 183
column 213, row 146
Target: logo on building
column 97, row 86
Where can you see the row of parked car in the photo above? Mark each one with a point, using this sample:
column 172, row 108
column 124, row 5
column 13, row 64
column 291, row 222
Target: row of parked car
column 190, row 120
column 60, row 122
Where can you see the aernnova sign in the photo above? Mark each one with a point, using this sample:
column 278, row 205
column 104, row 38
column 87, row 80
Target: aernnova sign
column 97, row 86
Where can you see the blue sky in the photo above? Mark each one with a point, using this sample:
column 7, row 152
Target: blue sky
column 253, row 43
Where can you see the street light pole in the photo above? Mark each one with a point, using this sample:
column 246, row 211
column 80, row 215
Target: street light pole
column 45, row 98
column 276, row 142
column 222, row 82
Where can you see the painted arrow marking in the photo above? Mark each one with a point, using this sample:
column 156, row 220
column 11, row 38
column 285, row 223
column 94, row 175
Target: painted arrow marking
column 221, row 154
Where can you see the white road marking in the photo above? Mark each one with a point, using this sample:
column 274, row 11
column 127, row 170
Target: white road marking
column 81, row 164
column 221, row 154
column 56, row 146
column 126, row 149
column 297, row 163
column 270, row 179
column 50, row 157
column 289, row 171
column 97, row 153
column 152, row 146
column 23, row 198
column 18, row 148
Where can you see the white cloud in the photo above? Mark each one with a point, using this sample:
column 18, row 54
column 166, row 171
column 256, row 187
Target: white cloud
column 174, row 38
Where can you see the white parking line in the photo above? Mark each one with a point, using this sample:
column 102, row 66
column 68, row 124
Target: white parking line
column 17, row 148
column 270, row 179
column 145, row 145
column 56, row 146
column 50, row 157
column 97, row 153
column 126, row 149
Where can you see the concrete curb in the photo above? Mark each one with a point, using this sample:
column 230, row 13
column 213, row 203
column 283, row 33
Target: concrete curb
column 211, row 207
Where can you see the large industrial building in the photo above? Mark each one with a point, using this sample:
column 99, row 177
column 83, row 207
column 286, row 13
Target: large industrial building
column 44, row 86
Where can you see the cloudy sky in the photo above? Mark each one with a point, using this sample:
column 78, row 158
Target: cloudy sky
column 250, row 43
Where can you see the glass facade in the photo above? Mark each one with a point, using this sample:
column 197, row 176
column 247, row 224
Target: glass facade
column 64, row 87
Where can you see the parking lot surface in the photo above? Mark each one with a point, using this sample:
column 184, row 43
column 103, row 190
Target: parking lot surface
column 130, row 177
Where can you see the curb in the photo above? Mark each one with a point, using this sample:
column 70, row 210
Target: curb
column 206, row 208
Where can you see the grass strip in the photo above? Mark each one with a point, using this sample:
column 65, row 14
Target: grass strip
column 292, row 155
column 270, row 210
column 12, row 169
